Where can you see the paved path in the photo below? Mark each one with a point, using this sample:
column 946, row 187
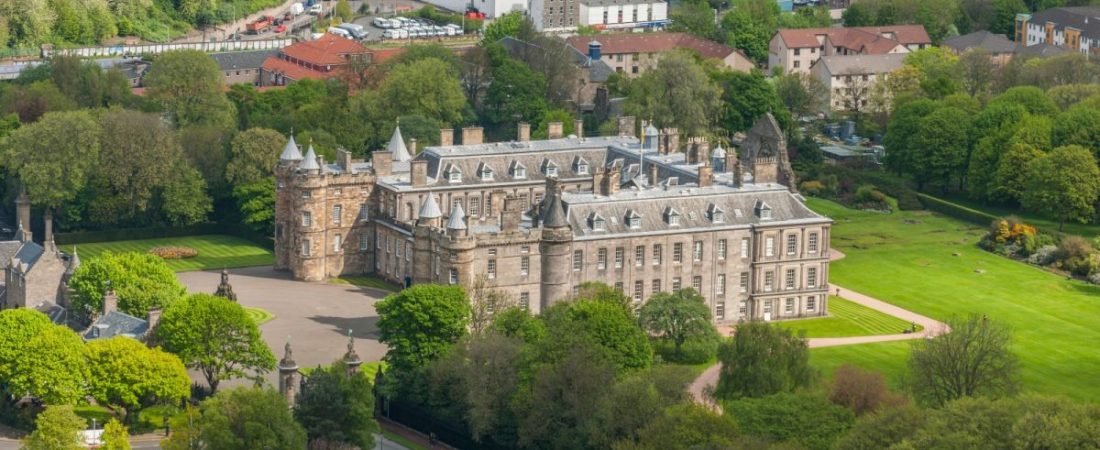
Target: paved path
column 709, row 378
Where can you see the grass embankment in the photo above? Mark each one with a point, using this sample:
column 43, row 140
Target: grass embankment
column 215, row 251
column 1089, row 230
column 848, row 319
column 907, row 258
column 366, row 281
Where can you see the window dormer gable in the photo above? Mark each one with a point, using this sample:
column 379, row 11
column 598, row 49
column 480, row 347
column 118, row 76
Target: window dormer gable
column 597, row 222
column 485, row 172
column 716, row 214
column 453, row 174
column 633, row 219
column 763, row 211
column 549, row 168
column 672, row 216
column 517, row 170
column 580, row 165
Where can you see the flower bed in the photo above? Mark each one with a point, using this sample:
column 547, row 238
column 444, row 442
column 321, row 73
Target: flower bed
column 174, row 252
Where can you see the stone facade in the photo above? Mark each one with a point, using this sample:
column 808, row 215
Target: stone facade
column 35, row 275
column 539, row 218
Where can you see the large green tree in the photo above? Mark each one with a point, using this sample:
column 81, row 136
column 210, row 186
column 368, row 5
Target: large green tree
column 240, row 419
column 335, row 407
column 902, row 156
column 607, row 327
column 56, row 428
column 138, row 152
column 215, row 336
column 1011, row 175
column 115, row 436
column 516, row 94
column 50, row 367
column 54, row 156
column 942, row 141
column 1079, row 125
column 745, row 98
column 428, row 87
column 677, row 317
column 418, row 324
column 1063, row 184
column 256, row 202
column 253, row 155
column 686, row 426
column 189, row 85
column 809, row 420
column 973, row 359
column 126, row 374
column 676, row 93
column 140, row 280
column 761, row 359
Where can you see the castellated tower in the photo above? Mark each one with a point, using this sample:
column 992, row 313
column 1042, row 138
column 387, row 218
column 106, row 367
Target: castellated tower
column 284, row 171
column 555, row 247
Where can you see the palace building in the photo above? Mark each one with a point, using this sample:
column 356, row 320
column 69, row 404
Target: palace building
column 536, row 219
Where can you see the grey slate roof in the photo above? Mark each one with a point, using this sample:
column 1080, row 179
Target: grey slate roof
column 116, row 323
column 1084, row 18
column 1041, row 50
column 862, row 64
column 291, row 152
column 7, row 250
column 242, row 60
column 994, row 43
column 28, row 254
column 457, row 221
column 598, row 71
column 56, row 313
column 429, row 209
column 310, row 160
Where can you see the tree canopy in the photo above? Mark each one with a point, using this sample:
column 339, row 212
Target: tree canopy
column 973, row 359
column 419, row 323
column 56, row 428
column 140, row 280
column 335, row 407
column 189, row 85
column 240, row 419
column 762, row 359
column 677, row 317
column 1063, row 184
column 123, row 372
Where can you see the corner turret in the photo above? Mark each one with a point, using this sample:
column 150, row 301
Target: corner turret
column 555, row 247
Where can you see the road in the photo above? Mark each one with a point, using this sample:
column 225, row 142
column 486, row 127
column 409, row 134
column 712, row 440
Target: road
column 709, row 378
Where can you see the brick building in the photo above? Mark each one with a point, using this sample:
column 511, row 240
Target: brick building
column 538, row 218
column 795, row 50
column 327, row 57
column 1074, row 28
column 634, row 53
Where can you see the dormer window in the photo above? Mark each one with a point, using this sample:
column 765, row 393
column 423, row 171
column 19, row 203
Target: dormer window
column 716, row 214
column 633, row 219
column 518, row 171
column 580, row 166
column 549, row 168
column 454, row 175
column 597, row 222
column 672, row 217
column 485, row 172
column 763, row 211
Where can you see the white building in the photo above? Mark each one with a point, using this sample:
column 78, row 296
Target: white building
column 492, row 8
column 604, row 14
column 1074, row 28
column 795, row 50
column 850, row 78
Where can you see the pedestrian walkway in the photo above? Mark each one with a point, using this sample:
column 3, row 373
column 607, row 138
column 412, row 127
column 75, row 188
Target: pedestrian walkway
column 709, row 378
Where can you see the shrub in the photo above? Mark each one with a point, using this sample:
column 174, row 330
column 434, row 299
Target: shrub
column 864, row 192
column 812, row 187
column 696, row 350
column 174, row 252
column 1044, row 255
column 1073, row 255
column 1094, row 278
column 861, row 391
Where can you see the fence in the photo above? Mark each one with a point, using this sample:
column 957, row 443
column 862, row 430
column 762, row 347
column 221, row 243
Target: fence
column 127, row 234
column 153, row 49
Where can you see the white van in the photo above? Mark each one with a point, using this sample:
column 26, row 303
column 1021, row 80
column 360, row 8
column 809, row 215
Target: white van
column 382, row 22
column 391, row 34
column 339, row 32
column 316, row 9
column 402, row 33
column 296, row 9
column 357, row 31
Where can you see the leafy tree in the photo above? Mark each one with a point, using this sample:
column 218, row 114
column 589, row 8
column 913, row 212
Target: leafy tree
column 883, row 429
column 124, row 373
column 256, row 202
column 973, row 423
column 189, row 85
column 417, row 52
column 1079, row 125
column 697, row 18
column 51, row 367
column 902, row 156
column 54, row 156
column 31, row 101
column 553, row 58
column 677, row 317
column 861, row 391
column 676, row 93
column 56, row 428
column 745, row 98
column 516, row 94
column 943, row 137
column 336, row 407
column 857, row 15
column 115, row 436
column 137, row 155
column 603, row 326
column 484, row 302
column 419, row 323
column 427, row 87
column 516, row 323
column 1056, row 423
column 761, row 360
column 252, row 155
column 1063, row 184
column 806, row 419
column 215, row 336
column 514, row 24
column 242, row 419
column 556, row 413
column 1033, row 99
column 141, row 281
column 1012, row 171
column 542, row 131
column 977, row 70
column 205, row 148
column 973, row 359
column 802, row 93
column 750, row 25
column 683, row 427
column 939, row 71
column 1068, row 95
column 184, row 196
column 636, row 400
column 343, row 11
column 20, row 326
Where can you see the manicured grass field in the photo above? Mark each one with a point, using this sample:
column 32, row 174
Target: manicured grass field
column 906, row 258
column 258, row 315
column 215, row 251
column 848, row 319
column 1089, row 230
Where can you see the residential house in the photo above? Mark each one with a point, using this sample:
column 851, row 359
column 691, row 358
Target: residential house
column 624, row 14
column 321, row 59
column 795, row 50
column 35, row 275
column 999, row 47
column 849, row 79
column 1075, row 28
column 634, row 53
column 242, row 67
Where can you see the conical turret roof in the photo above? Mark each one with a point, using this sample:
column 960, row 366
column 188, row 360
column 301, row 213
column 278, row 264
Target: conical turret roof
column 397, row 146
column 458, row 219
column 430, row 209
column 554, row 212
column 310, row 160
column 291, row 151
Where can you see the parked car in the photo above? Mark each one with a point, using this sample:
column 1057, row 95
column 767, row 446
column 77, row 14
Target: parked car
column 355, row 30
column 280, row 29
column 316, row 9
column 296, row 9
column 339, row 32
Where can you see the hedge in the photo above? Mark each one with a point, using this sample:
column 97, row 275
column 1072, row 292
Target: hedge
column 129, row 234
column 957, row 211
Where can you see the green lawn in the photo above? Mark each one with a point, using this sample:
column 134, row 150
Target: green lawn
column 215, row 251
column 366, row 281
column 906, row 258
column 848, row 319
column 1089, row 230
column 258, row 315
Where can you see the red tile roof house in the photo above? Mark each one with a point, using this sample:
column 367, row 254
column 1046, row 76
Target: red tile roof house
column 320, row 59
column 633, row 53
column 795, row 50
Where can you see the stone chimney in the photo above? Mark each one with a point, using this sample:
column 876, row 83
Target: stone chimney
column 343, row 157
column 738, row 174
column 47, row 221
column 472, row 135
column 523, row 132
column 626, row 126
column 670, row 141
column 553, row 130
column 512, row 215
column 446, row 137
column 110, row 300
column 382, row 161
column 418, row 172
column 706, row 175
column 496, row 202
column 153, row 318
column 732, row 164
column 412, row 147
column 578, row 128
column 598, row 181
column 613, row 180
column 653, row 174
column 23, row 214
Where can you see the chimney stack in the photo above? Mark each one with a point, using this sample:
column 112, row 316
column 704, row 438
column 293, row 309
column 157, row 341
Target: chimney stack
column 412, row 147
column 23, row 213
column 110, row 300
column 418, row 173
column 446, row 137
column 598, row 183
column 706, row 175
column 613, row 178
column 344, row 159
column 154, row 318
column 652, row 174
column 47, row 238
column 472, row 135
column 512, row 215
column 553, row 130
column 626, row 126
column 578, row 128
column 524, row 132
column 382, row 161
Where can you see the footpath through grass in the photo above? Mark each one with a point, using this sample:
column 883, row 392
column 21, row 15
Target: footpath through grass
column 215, row 251
column 848, row 318
column 907, row 258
